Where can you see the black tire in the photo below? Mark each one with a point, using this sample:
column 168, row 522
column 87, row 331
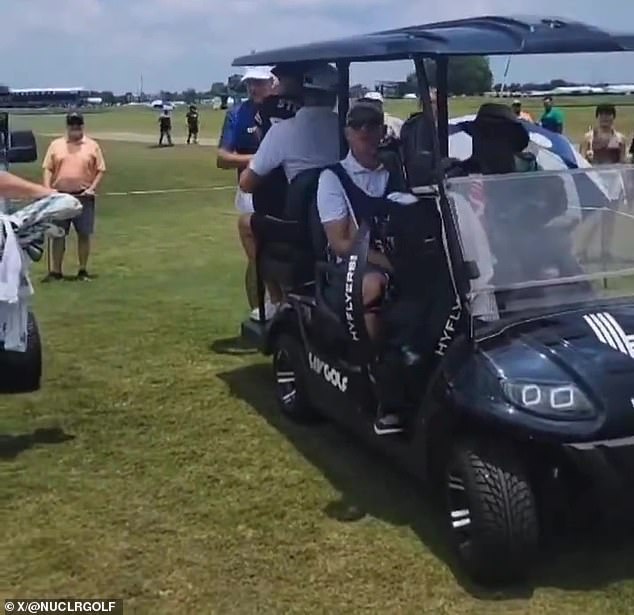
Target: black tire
column 492, row 512
column 21, row 372
column 289, row 369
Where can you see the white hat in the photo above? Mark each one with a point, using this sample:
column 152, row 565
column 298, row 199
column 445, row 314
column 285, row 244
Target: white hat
column 373, row 96
column 321, row 77
column 257, row 73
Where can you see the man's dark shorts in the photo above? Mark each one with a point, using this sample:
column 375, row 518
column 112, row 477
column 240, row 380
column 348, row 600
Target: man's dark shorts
column 84, row 223
column 335, row 288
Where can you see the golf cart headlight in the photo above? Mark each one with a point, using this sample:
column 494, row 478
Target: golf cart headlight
column 561, row 400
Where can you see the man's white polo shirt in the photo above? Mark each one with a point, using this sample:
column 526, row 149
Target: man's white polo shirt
column 332, row 201
column 309, row 140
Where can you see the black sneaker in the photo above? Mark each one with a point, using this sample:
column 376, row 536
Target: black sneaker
column 51, row 276
column 388, row 424
column 84, row 276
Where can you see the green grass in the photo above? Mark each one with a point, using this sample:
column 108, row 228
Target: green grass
column 182, row 490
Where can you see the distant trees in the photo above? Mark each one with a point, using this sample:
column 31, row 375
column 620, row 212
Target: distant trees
column 190, row 96
column 468, row 75
column 107, row 96
column 218, row 89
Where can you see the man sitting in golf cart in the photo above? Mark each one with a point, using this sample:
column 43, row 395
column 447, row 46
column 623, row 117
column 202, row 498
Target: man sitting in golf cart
column 499, row 147
column 309, row 140
column 351, row 192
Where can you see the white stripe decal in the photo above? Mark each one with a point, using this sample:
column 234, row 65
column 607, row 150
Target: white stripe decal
column 610, row 332
column 614, row 332
column 622, row 335
column 459, row 514
column 606, row 334
column 596, row 329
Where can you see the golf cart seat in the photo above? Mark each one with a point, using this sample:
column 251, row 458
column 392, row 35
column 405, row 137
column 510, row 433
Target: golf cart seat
column 416, row 152
column 288, row 247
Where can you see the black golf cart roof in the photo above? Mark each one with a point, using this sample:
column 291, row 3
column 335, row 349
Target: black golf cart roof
column 488, row 35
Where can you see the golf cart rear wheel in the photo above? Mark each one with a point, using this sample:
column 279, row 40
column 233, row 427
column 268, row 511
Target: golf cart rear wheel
column 21, row 372
column 290, row 383
column 492, row 511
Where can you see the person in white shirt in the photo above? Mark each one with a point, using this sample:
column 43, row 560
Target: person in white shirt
column 310, row 140
column 354, row 191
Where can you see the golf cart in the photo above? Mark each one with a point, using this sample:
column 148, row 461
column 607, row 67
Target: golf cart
column 512, row 323
column 20, row 372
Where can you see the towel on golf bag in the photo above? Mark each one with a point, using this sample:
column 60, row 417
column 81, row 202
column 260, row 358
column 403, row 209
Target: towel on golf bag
column 21, row 242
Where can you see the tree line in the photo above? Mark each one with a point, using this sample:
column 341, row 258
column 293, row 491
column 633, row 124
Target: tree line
column 469, row 75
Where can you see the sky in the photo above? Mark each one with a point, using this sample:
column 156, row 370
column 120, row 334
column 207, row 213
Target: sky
column 176, row 44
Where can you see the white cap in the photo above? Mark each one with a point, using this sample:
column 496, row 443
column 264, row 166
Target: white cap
column 322, row 77
column 258, row 73
column 373, row 96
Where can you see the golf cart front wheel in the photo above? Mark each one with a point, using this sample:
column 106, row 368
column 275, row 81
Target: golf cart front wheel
column 492, row 511
column 290, row 386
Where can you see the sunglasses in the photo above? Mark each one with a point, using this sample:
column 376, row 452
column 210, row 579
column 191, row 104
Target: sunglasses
column 369, row 125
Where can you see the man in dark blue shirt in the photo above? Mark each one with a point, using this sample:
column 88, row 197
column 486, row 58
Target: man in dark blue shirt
column 239, row 139
column 238, row 142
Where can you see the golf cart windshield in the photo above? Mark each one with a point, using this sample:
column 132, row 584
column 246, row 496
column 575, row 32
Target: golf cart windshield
column 546, row 239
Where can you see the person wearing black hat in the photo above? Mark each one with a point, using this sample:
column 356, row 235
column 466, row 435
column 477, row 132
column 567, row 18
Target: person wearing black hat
column 192, row 124
column 499, row 139
column 351, row 192
column 74, row 164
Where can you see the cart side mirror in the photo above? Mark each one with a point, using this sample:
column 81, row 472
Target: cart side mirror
column 22, row 147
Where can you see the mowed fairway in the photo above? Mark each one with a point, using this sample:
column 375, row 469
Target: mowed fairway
column 171, row 481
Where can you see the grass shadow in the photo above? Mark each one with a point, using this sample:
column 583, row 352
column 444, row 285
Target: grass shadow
column 12, row 445
column 370, row 485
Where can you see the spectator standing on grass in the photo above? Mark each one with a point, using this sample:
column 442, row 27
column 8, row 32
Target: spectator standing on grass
column 517, row 109
column 239, row 142
column 603, row 144
column 165, row 127
column 553, row 118
column 192, row 124
column 74, row 164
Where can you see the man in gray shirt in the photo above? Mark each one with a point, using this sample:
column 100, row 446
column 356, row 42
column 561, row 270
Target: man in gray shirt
column 310, row 140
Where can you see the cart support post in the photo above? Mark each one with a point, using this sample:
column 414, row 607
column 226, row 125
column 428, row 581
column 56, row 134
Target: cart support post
column 343, row 103
column 442, row 82
column 456, row 260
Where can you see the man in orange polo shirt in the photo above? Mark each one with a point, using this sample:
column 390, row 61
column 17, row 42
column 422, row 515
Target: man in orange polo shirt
column 74, row 164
